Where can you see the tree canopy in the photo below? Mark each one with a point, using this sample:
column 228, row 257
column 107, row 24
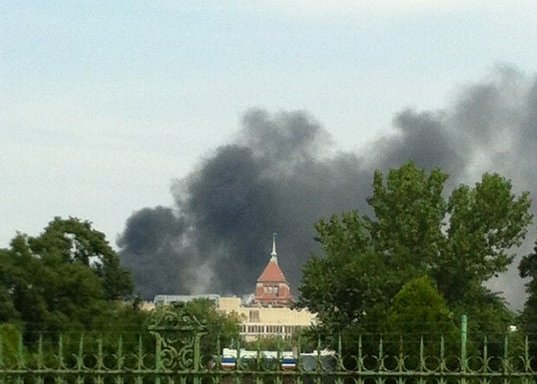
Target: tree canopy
column 67, row 276
column 458, row 240
column 219, row 328
column 528, row 269
column 528, row 318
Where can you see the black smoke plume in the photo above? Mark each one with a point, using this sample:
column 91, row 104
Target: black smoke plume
column 282, row 173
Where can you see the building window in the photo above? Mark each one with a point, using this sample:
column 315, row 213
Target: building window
column 254, row 316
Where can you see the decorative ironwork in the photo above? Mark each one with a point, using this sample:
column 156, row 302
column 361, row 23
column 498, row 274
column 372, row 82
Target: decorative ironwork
column 178, row 336
column 171, row 353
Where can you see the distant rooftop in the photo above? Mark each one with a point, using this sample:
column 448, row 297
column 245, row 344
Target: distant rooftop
column 170, row 299
column 272, row 274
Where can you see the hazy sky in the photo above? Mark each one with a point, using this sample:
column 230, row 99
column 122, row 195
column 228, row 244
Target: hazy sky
column 104, row 103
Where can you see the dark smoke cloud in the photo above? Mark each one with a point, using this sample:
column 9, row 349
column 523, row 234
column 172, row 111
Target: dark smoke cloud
column 421, row 136
column 218, row 236
column 282, row 174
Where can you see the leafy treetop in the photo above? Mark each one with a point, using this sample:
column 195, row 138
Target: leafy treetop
column 67, row 276
column 458, row 241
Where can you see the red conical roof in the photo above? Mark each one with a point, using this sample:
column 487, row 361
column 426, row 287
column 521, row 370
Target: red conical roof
column 272, row 288
column 272, row 274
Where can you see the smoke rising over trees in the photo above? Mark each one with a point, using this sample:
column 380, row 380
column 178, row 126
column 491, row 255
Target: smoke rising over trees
column 369, row 276
column 282, row 173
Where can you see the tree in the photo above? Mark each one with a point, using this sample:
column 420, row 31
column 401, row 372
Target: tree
column 270, row 343
column 485, row 223
column 75, row 241
column 409, row 209
column 419, row 309
column 9, row 339
column 218, row 327
column 528, row 318
column 65, row 277
column 419, row 312
column 528, row 269
column 8, row 312
column 345, row 287
column 459, row 242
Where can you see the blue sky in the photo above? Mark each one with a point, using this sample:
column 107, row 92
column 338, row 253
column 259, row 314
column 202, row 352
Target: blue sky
column 105, row 103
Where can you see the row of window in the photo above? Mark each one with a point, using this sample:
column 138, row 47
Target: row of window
column 270, row 329
column 271, row 290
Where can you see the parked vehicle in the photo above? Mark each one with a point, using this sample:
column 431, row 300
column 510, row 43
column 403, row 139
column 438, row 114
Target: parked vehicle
column 284, row 360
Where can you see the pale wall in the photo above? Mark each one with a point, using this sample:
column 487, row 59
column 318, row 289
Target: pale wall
column 262, row 321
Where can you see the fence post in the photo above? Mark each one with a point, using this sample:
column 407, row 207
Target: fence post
column 464, row 337
column 158, row 358
column 178, row 335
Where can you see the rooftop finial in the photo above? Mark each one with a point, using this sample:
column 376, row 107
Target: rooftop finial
column 274, row 255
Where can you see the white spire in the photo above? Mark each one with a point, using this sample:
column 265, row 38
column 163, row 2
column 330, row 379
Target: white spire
column 274, row 255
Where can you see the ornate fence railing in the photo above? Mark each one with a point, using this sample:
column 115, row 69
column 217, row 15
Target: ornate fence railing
column 174, row 352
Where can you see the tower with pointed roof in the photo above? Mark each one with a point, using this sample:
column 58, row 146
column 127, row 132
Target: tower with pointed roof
column 272, row 288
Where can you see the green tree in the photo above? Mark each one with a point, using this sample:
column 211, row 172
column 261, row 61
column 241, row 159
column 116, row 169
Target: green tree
column 420, row 313
column 528, row 318
column 459, row 241
column 9, row 339
column 75, row 241
column 270, row 343
column 528, row 269
column 407, row 226
column 218, row 327
column 345, row 288
column 419, row 309
column 64, row 278
column 485, row 223
column 8, row 312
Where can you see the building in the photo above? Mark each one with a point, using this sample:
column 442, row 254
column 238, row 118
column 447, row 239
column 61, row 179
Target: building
column 172, row 299
column 272, row 288
column 269, row 314
column 259, row 321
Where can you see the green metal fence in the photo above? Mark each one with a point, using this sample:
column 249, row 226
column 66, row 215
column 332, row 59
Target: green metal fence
column 173, row 352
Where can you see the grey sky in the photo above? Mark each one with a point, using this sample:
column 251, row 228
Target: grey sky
column 104, row 104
